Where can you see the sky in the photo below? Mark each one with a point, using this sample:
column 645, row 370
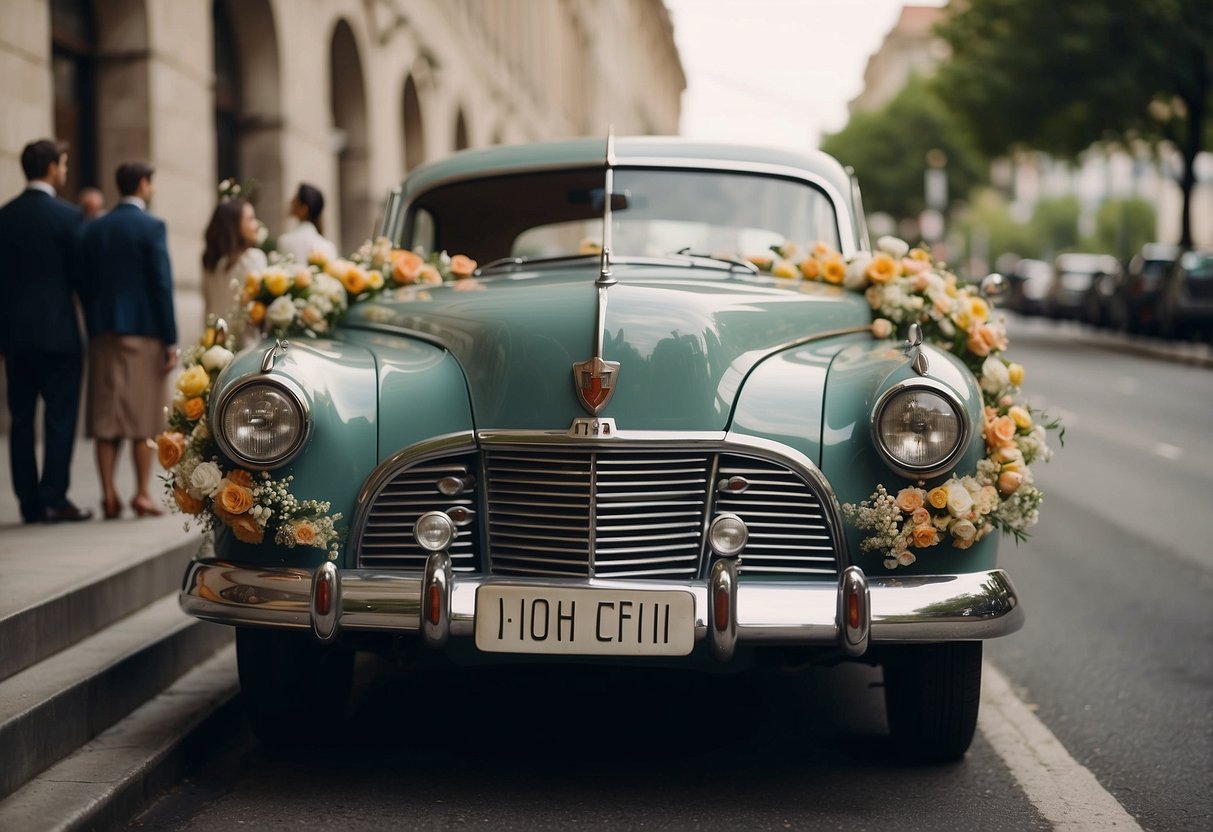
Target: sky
column 775, row 72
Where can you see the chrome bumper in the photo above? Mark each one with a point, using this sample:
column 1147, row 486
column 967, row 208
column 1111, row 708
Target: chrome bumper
column 850, row 614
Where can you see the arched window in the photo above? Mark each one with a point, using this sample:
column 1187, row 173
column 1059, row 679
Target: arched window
column 414, row 136
column 347, row 101
column 227, row 97
column 461, row 132
column 73, row 70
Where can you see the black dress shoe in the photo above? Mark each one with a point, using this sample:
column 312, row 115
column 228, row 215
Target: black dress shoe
column 66, row 513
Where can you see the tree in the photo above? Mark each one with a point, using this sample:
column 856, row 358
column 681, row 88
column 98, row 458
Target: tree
column 1123, row 226
column 1060, row 76
column 888, row 149
column 1054, row 225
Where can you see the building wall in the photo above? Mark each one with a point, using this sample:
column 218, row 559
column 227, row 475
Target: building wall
column 323, row 87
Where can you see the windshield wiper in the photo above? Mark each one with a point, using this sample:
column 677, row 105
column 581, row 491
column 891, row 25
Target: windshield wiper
column 719, row 258
column 515, row 262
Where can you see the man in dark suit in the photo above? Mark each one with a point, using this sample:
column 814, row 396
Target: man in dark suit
column 39, row 335
column 128, row 306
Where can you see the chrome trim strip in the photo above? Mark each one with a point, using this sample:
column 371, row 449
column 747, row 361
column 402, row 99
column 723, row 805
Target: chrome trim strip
column 924, row 608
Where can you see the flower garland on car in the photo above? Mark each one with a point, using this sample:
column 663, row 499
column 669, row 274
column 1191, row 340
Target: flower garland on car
column 202, row 485
column 905, row 286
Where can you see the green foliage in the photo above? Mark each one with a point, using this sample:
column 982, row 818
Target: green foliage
column 1060, row 76
column 1054, row 225
column 888, row 149
column 1123, row 226
column 986, row 227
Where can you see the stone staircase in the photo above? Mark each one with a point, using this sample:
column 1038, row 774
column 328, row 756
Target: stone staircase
column 104, row 682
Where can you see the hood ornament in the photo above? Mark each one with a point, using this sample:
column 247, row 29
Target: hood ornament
column 595, row 379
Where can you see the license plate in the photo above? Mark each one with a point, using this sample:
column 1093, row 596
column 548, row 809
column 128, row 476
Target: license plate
column 579, row 621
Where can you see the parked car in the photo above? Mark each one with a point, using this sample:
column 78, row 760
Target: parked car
column 1137, row 302
column 1081, row 286
column 1185, row 299
column 628, row 450
column 1029, row 283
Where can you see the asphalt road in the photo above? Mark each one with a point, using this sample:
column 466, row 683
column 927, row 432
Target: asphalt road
column 1115, row 661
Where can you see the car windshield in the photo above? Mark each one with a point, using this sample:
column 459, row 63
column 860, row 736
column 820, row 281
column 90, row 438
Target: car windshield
column 655, row 212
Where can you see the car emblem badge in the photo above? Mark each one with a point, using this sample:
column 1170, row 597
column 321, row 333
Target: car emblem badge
column 595, row 382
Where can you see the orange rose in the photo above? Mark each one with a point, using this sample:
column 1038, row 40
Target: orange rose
column 240, row 477
column 170, row 447
column 923, row 536
column 256, row 313
column 187, row 502
column 245, row 528
column 235, row 499
column 910, row 500
column 462, row 266
column 1000, row 432
column 821, row 249
column 194, row 408
column 303, row 277
column 1009, row 482
column 304, row 533
column 921, row 517
column 810, row 268
column 406, row 266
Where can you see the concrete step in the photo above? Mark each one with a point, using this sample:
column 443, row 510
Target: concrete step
column 63, row 583
column 112, row 777
column 52, row 708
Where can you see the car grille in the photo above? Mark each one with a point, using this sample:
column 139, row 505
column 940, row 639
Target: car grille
column 566, row 511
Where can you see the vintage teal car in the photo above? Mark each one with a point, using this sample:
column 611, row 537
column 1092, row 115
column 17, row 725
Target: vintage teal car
column 618, row 440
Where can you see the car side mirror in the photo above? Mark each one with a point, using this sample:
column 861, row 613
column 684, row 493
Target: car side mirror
column 994, row 286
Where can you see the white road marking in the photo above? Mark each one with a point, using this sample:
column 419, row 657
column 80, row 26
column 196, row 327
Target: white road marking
column 1168, row 451
column 1066, row 793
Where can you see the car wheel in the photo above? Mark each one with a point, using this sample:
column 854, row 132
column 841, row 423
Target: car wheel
column 932, row 693
column 287, row 680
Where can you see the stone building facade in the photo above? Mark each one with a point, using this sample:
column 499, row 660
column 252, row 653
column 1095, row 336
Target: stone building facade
column 346, row 94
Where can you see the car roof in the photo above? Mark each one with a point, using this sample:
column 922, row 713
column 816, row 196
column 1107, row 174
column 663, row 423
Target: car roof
column 628, row 150
column 1083, row 262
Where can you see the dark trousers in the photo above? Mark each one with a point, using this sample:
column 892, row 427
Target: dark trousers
column 55, row 377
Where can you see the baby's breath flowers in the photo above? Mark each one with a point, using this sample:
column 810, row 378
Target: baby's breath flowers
column 904, row 286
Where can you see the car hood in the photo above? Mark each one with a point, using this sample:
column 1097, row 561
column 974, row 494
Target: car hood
column 684, row 340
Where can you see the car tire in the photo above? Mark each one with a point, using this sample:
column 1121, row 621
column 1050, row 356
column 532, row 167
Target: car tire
column 932, row 694
column 287, row 680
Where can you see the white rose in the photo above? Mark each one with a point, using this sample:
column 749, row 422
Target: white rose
column 205, row 479
column 281, row 312
column 960, row 501
column 216, row 358
column 856, row 277
column 995, row 377
column 893, row 247
column 963, row 530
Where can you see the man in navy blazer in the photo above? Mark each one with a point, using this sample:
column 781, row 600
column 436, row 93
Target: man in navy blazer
column 39, row 334
column 128, row 307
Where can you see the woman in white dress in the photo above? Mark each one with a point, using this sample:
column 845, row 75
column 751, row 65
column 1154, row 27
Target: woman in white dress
column 230, row 255
column 306, row 237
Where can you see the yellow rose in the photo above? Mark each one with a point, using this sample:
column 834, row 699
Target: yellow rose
column 318, row 259
column 834, row 270
column 1021, row 417
column 783, row 268
column 920, row 254
column 194, row 381
column 276, row 282
column 938, row 497
column 252, row 286
column 882, row 268
column 821, row 249
column 979, row 309
column 355, row 280
column 256, row 313
column 1016, row 373
column 374, row 279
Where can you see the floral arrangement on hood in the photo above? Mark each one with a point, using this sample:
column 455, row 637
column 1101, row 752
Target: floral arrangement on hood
column 211, row 491
column 905, row 286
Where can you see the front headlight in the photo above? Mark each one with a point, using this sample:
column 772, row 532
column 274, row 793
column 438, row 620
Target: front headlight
column 920, row 428
column 261, row 424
